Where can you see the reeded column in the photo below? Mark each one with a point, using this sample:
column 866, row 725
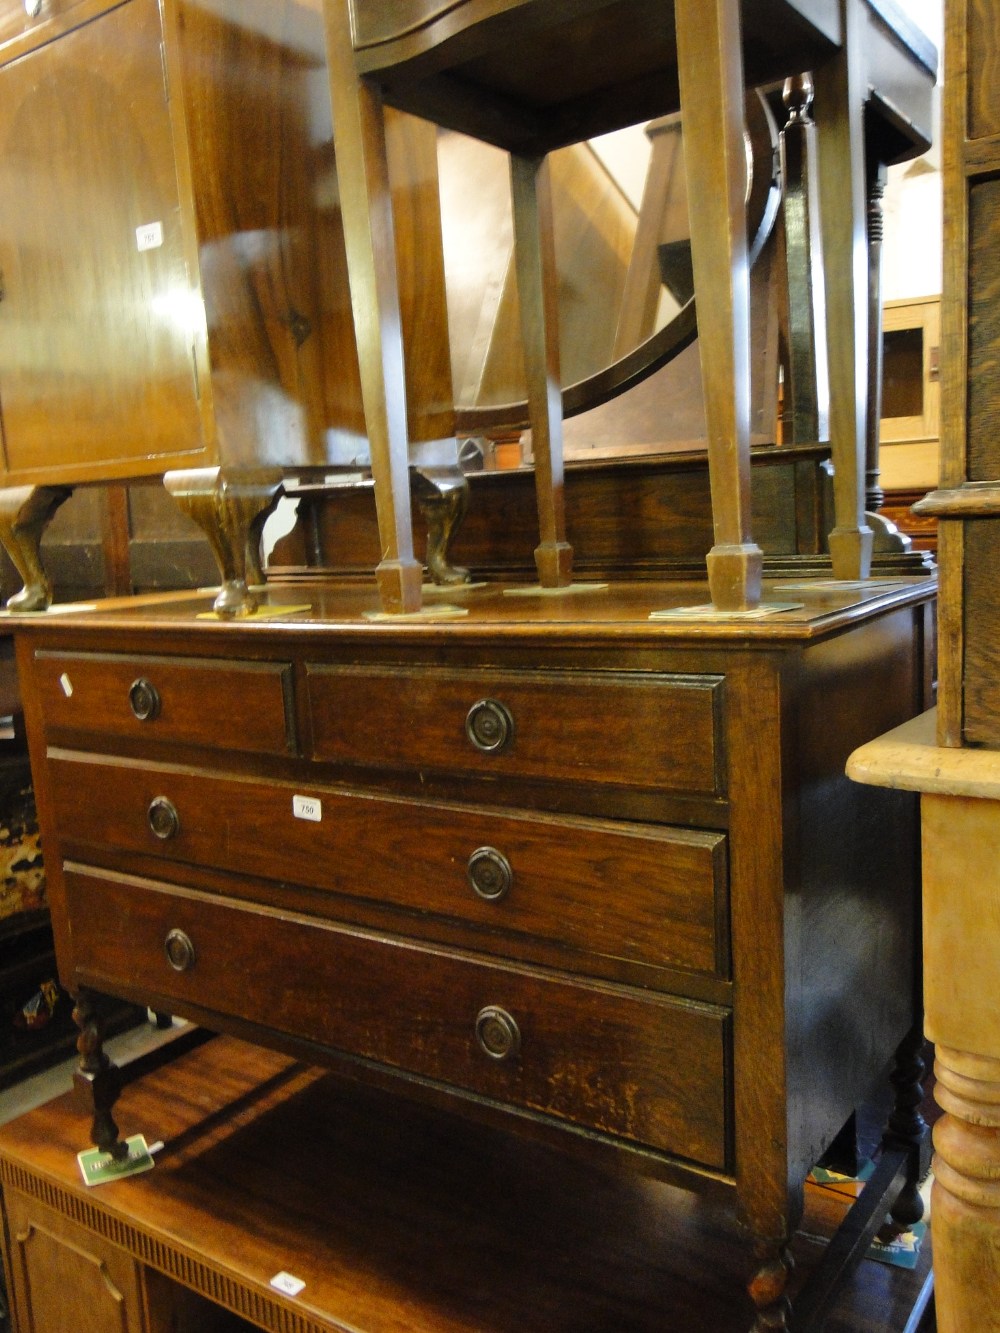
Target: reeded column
column 965, row 1196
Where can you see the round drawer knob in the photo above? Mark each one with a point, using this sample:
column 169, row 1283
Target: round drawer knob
column 32, row 8
column 490, row 873
column 144, row 699
column 162, row 818
column 498, row 1035
column 489, row 726
column 179, row 950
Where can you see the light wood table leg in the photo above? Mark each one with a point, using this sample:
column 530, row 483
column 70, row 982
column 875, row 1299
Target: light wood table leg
column 366, row 205
column 25, row 512
column 537, row 288
column 709, row 55
column 840, row 95
column 965, row 1196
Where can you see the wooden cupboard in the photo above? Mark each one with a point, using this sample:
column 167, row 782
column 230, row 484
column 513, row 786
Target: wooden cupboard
column 174, row 297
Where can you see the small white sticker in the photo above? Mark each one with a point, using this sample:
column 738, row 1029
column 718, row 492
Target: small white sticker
column 67, row 684
column 307, row 807
column 291, row 1286
column 149, row 236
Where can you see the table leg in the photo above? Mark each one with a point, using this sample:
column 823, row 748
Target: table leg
column 965, row 1195
column 710, row 67
column 840, row 95
column 366, row 205
column 537, row 288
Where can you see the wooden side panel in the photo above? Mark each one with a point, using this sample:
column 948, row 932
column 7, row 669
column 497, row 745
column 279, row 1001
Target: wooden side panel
column 981, row 594
column 984, row 332
column 984, row 69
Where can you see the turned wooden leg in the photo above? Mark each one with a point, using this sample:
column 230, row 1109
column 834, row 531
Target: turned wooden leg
column 24, row 514
column 97, row 1075
column 887, row 537
column 768, row 1284
column 710, row 65
column 807, row 392
column 534, row 257
column 443, row 496
column 230, row 506
column 907, row 1130
column 965, row 1195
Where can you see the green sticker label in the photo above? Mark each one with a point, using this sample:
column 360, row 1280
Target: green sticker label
column 97, row 1167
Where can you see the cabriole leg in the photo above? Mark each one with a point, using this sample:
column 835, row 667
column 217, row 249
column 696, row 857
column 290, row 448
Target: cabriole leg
column 230, row 506
column 25, row 512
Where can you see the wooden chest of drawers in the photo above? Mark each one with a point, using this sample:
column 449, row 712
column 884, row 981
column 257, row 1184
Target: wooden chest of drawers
column 552, row 861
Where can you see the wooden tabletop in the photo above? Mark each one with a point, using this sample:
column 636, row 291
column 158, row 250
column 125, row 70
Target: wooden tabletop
column 909, row 758
column 793, row 609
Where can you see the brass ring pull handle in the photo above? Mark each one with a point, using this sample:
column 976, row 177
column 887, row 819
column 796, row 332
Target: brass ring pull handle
column 497, row 1033
column 162, row 817
column 179, row 950
column 144, row 699
column 489, row 726
column 490, row 873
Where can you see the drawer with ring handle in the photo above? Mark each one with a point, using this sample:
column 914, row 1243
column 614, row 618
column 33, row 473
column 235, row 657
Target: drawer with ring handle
column 650, row 731
column 563, row 1048
column 639, row 892
column 183, row 700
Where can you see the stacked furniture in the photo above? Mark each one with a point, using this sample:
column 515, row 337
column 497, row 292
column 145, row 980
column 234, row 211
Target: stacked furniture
column 950, row 755
column 583, row 861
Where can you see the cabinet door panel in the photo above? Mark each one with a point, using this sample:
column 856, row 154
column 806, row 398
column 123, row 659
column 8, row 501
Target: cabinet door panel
column 97, row 322
column 66, row 1279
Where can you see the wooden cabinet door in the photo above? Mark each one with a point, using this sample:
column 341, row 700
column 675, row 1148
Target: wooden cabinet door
column 98, row 316
column 67, row 1279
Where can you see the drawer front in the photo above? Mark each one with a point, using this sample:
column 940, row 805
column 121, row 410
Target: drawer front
column 25, row 16
column 654, row 732
column 633, row 1065
column 230, row 705
column 640, row 893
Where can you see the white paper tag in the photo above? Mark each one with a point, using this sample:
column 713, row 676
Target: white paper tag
column 307, row 807
column 67, row 684
column 291, row 1286
column 149, row 236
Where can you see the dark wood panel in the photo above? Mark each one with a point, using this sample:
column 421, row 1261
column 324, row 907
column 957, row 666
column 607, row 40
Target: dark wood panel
column 193, row 700
column 584, row 1050
column 566, row 875
column 619, row 728
column 666, row 499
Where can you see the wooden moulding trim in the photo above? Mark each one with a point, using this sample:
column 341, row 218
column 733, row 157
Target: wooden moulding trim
column 982, row 156
column 974, row 500
column 184, row 1266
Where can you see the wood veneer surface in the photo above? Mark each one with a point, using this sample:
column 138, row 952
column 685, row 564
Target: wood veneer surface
column 415, row 1222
